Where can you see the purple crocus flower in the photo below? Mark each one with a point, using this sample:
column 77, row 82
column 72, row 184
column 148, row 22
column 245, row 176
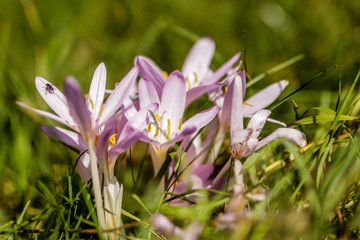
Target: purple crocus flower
column 83, row 114
column 200, row 79
column 196, row 178
column 167, row 127
column 86, row 115
column 245, row 141
column 258, row 101
column 170, row 230
column 111, row 142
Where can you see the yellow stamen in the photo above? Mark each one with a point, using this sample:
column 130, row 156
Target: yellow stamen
column 96, row 140
column 248, row 104
column 149, row 127
column 225, row 89
column 196, row 77
column 180, row 123
column 168, row 128
column 158, row 117
column 188, row 82
column 101, row 109
column 92, row 103
column 157, row 130
column 112, row 139
column 166, row 75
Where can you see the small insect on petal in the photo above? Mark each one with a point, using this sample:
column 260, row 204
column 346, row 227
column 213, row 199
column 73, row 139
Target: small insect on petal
column 49, row 88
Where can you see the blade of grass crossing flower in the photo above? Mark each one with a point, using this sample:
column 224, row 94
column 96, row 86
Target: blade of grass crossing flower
column 303, row 86
column 163, row 169
column 136, row 197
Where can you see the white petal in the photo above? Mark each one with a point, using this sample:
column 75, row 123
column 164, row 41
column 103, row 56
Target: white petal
column 97, row 91
column 54, row 98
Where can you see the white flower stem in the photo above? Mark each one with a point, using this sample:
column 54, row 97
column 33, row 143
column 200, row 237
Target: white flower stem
column 96, row 183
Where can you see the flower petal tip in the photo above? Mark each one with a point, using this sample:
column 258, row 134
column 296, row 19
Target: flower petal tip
column 284, row 83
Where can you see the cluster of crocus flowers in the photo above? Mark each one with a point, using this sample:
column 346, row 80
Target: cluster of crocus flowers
column 148, row 105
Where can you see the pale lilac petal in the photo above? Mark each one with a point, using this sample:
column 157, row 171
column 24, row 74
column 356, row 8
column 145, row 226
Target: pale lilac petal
column 223, row 69
column 77, row 106
column 199, row 58
column 103, row 144
column 149, row 71
column 269, row 119
column 83, row 167
column 173, row 99
column 147, row 93
column 227, row 105
column 265, row 97
column 257, row 122
column 185, row 132
column 198, row 91
column 54, row 98
column 133, row 129
column 290, row 134
column 165, row 226
column 202, row 118
column 241, row 137
column 236, row 123
column 243, row 79
column 204, row 172
column 46, row 114
column 97, row 91
column 69, row 137
column 141, row 118
column 115, row 100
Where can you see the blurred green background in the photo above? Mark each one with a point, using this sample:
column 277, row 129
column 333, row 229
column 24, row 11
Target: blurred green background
column 54, row 39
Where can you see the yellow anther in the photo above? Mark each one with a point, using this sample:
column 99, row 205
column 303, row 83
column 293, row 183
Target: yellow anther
column 188, row 82
column 168, row 128
column 248, row 104
column 158, row 117
column 196, row 77
column 96, row 140
column 157, row 130
column 166, row 75
column 112, row 139
column 225, row 89
column 180, row 123
column 92, row 103
column 101, row 109
column 149, row 127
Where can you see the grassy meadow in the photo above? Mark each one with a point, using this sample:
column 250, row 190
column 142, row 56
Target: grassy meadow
column 313, row 192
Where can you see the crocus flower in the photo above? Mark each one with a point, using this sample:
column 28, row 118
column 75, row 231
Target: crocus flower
column 86, row 115
column 83, row 114
column 200, row 79
column 167, row 127
column 258, row 101
column 245, row 141
column 170, row 230
column 111, row 142
column 197, row 178
column 113, row 194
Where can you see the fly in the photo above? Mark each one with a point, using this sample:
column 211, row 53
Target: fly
column 49, row 88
